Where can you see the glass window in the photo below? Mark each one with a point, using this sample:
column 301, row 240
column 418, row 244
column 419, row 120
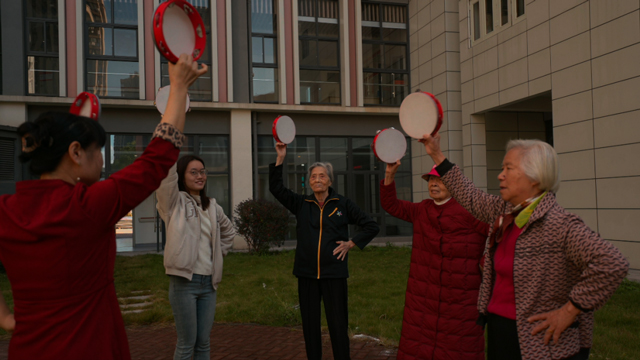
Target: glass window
column 43, row 66
column 335, row 151
column 384, row 54
column 319, row 87
column 265, row 84
column 504, row 11
column 489, row 15
column 264, row 51
column 319, row 54
column 112, row 48
column 519, row 7
column 202, row 88
column 476, row 21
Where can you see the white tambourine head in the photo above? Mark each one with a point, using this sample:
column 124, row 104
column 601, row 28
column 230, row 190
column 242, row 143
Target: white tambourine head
column 390, row 146
column 178, row 31
column 163, row 97
column 418, row 115
column 286, row 129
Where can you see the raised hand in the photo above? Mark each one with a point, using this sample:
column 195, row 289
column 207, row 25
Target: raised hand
column 432, row 146
column 390, row 172
column 281, row 150
column 185, row 71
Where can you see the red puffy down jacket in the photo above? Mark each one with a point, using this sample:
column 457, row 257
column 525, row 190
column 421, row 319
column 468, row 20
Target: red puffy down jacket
column 440, row 310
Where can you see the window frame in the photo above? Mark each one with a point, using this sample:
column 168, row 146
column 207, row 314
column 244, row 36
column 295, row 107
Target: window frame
column 318, row 39
column 498, row 26
column 111, row 26
column 263, row 64
column 382, row 42
column 41, row 54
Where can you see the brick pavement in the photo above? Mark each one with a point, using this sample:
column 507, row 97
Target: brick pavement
column 239, row 342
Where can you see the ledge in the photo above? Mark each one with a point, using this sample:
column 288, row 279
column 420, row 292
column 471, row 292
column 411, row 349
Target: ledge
column 211, row 106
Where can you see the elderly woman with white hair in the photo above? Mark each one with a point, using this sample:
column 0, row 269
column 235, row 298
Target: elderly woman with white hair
column 322, row 252
column 545, row 270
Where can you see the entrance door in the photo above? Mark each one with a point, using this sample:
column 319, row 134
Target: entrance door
column 144, row 222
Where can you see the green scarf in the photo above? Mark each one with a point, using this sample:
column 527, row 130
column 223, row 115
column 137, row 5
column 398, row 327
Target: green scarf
column 523, row 217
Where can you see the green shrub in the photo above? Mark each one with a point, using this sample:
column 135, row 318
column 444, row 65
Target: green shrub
column 262, row 223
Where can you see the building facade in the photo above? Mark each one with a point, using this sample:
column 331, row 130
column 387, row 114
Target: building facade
column 563, row 71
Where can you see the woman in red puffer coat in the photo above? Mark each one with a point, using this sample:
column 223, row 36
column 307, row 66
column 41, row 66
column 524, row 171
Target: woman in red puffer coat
column 440, row 310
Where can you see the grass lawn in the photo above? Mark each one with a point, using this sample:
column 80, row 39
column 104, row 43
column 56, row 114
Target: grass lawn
column 262, row 289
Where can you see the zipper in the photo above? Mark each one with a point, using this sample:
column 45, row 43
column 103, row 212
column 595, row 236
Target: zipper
column 334, row 211
column 320, row 236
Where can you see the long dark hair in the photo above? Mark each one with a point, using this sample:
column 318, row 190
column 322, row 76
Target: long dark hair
column 47, row 139
column 182, row 170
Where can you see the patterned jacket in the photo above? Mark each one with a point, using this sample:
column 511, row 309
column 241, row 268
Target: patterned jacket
column 558, row 258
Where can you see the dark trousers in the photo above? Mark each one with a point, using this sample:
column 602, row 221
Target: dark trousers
column 334, row 294
column 503, row 344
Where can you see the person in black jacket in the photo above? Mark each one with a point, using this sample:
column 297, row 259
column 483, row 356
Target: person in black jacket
column 322, row 252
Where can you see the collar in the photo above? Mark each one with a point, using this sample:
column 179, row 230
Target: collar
column 442, row 202
column 525, row 214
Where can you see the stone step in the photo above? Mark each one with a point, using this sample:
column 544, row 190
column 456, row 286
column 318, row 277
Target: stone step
column 142, row 297
column 137, row 305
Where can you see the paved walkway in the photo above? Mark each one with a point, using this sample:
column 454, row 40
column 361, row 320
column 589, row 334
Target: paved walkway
column 240, row 342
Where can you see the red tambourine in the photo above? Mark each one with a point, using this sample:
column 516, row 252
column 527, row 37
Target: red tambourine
column 283, row 129
column 389, row 145
column 179, row 29
column 420, row 113
column 163, row 97
column 86, row 104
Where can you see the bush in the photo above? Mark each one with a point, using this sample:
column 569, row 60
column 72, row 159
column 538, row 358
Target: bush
column 262, row 223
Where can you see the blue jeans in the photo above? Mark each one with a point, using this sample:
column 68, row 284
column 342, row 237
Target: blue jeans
column 194, row 306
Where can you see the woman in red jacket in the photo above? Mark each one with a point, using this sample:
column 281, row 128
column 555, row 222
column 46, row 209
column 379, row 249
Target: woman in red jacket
column 57, row 236
column 440, row 306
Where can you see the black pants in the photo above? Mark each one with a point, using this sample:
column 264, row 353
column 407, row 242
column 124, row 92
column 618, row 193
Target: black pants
column 503, row 344
column 334, row 294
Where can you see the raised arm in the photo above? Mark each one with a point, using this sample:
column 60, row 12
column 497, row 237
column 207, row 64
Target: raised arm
column 286, row 197
column 482, row 206
column 111, row 199
column 401, row 209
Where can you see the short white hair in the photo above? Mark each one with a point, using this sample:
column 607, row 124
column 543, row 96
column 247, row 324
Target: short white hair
column 539, row 161
column 328, row 168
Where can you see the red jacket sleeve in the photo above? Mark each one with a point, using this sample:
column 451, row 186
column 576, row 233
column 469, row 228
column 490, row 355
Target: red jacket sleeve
column 401, row 209
column 113, row 198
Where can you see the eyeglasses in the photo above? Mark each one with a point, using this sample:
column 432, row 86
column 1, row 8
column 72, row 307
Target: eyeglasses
column 195, row 173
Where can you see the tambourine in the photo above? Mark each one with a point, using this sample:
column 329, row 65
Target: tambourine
column 179, row 29
column 420, row 114
column 283, row 129
column 163, row 97
column 389, row 145
column 86, row 104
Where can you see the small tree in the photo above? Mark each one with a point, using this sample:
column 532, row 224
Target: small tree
column 262, row 223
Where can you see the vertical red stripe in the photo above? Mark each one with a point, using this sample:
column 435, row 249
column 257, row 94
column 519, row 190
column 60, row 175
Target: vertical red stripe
column 72, row 63
column 149, row 53
column 222, row 50
column 352, row 53
column 289, row 55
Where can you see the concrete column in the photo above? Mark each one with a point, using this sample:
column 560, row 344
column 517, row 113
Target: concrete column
column 13, row 114
column 13, row 59
column 241, row 163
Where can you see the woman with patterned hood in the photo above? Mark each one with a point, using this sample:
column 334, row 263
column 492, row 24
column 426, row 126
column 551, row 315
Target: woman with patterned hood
column 442, row 292
column 545, row 271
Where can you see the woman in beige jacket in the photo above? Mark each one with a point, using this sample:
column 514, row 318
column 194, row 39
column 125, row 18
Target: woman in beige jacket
column 199, row 234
